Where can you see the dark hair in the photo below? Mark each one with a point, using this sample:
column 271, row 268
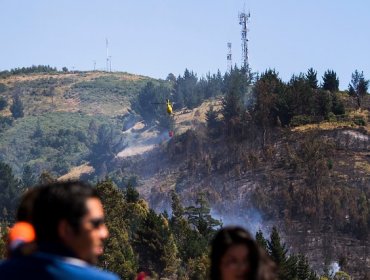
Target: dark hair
column 57, row 201
column 223, row 240
column 25, row 208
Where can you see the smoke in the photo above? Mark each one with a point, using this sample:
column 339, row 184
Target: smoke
column 333, row 269
column 249, row 219
column 248, row 99
column 139, row 139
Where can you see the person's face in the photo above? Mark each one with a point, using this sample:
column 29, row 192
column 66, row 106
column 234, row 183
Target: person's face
column 234, row 263
column 87, row 243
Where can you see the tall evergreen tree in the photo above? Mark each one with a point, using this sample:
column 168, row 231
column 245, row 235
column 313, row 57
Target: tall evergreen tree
column 10, row 191
column 191, row 244
column 311, row 76
column 278, row 253
column 268, row 90
column 3, row 103
column 109, row 142
column 235, row 89
column 119, row 255
column 358, row 86
column 200, row 217
column 260, row 239
column 131, row 194
column 28, row 177
column 155, row 246
column 213, row 124
column 3, row 245
column 330, row 81
column 185, row 90
column 17, row 107
column 303, row 268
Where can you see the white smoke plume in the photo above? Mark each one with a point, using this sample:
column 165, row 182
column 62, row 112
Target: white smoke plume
column 250, row 219
column 333, row 269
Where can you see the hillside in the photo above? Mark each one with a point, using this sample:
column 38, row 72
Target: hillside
column 312, row 180
column 61, row 104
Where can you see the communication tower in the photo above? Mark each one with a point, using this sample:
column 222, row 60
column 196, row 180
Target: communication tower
column 229, row 57
column 243, row 21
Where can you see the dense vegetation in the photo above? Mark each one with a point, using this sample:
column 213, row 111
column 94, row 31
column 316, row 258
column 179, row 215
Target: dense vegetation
column 42, row 136
column 172, row 246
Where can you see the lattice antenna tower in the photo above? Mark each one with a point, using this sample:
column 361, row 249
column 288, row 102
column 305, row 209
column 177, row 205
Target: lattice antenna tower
column 229, row 57
column 243, row 21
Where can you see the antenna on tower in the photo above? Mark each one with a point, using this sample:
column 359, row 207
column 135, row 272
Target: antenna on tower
column 106, row 44
column 243, row 21
column 229, row 57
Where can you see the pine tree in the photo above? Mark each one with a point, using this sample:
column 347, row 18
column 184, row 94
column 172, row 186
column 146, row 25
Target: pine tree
column 17, row 107
column 10, row 192
column 200, row 217
column 3, row 103
column 213, row 123
column 109, row 142
column 311, row 76
column 303, row 269
column 267, row 90
column 3, row 246
column 155, row 246
column 232, row 103
column 260, row 239
column 131, row 194
column 278, row 253
column 191, row 244
column 28, row 177
column 38, row 133
column 330, row 81
column 185, row 90
column 119, row 255
column 358, row 86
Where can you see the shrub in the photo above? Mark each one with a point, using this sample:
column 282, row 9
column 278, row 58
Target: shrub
column 2, row 88
column 359, row 120
column 3, row 103
column 301, row 120
column 331, row 117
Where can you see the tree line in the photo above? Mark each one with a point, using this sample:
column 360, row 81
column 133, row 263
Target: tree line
column 174, row 245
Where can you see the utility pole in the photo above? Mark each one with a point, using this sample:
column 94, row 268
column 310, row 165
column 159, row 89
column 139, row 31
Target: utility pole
column 106, row 45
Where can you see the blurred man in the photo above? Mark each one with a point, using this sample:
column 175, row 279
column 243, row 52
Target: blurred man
column 68, row 219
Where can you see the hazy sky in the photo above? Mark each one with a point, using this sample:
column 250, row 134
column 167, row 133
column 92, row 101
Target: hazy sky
column 158, row 37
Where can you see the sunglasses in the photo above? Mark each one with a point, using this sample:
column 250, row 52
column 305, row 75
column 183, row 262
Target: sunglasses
column 97, row 223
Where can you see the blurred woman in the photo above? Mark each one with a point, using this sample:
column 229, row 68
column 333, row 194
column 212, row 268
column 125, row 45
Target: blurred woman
column 234, row 255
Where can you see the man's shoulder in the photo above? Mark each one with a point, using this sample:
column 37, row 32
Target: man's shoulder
column 88, row 272
column 51, row 267
column 22, row 268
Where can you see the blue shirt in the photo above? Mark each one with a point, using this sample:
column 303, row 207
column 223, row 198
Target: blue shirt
column 45, row 266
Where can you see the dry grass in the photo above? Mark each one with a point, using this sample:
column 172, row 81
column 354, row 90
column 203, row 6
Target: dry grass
column 76, row 172
column 323, row 126
column 187, row 119
column 60, row 102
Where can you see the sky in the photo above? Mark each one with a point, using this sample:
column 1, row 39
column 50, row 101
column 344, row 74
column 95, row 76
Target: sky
column 157, row 37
